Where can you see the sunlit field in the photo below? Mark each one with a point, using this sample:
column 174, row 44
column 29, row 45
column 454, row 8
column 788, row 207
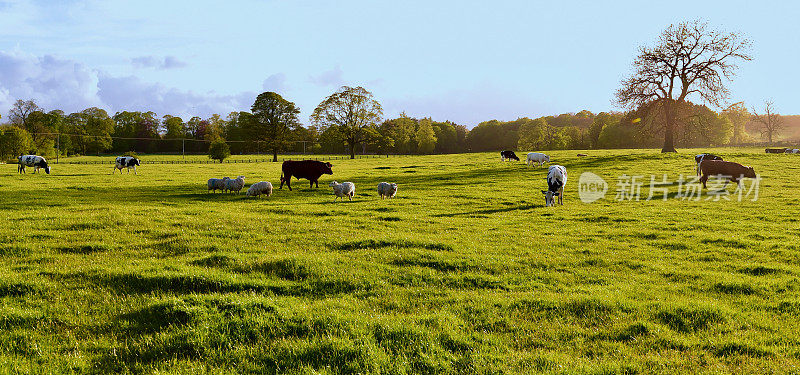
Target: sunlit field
column 465, row 271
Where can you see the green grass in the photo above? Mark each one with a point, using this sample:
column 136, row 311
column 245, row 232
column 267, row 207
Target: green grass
column 463, row 272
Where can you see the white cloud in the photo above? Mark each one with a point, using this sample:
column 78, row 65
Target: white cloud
column 52, row 82
column 131, row 93
column 56, row 83
column 331, row 77
column 168, row 62
column 275, row 83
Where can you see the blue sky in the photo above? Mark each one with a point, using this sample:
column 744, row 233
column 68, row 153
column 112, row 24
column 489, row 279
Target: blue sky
column 465, row 61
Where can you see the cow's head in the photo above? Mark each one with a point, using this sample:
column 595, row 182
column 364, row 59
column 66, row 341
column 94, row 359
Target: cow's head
column 134, row 161
column 549, row 197
column 47, row 169
column 749, row 172
column 326, row 168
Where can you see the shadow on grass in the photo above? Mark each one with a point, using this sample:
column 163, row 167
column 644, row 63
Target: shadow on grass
column 491, row 211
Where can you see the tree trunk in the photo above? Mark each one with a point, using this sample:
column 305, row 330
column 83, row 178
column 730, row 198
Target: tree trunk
column 275, row 155
column 669, row 129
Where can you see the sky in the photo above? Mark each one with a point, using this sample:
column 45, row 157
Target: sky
column 463, row 61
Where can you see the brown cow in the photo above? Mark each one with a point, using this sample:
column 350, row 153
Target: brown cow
column 734, row 171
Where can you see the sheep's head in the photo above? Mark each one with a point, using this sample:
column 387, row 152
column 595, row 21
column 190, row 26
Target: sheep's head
column 240, row 178
column 333, row 183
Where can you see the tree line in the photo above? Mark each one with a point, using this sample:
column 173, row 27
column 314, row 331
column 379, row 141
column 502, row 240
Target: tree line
column 272, row 126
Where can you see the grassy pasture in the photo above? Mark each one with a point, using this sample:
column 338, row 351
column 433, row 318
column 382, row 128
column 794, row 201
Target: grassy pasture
column 464, row 272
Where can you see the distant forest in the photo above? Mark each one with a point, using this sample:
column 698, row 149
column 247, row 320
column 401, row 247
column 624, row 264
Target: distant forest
column 30, row 129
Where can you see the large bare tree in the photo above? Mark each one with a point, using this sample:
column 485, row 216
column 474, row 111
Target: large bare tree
column 771, row 122
column 688, row 59
column 352, row 113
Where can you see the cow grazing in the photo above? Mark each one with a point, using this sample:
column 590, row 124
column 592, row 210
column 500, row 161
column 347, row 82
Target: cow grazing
column 582, row 155
column 126, row 162
column 34, row 161
column 510, row 155
column 733, row 171
column 776, row 150
column 556, row 179
column 796, row 151
column 700, row 157
column 308, row 169
column 537, row 158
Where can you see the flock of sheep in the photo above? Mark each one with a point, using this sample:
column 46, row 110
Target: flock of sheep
column 340, row 190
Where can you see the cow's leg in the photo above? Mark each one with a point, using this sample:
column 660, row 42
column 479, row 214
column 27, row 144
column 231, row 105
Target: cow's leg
column 135, row 171
column 703, row 179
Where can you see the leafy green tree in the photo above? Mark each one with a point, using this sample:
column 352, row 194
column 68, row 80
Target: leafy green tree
column 599, row 122
column 425, row 137
column 275, row 120
column 402, row 131
column 446, row 137
column 738, row 115
column 219, row 150
column 353, row 112
column 20, row 111
column 173, row 126
column 331, row 142
column 14, row 141
column 143, row 126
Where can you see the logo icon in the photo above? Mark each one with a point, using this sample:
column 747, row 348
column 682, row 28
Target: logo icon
column 591, row 187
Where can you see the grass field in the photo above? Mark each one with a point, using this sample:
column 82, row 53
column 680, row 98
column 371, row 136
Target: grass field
column 463, row 272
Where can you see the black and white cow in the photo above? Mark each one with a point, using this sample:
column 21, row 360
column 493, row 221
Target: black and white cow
column 556, row 179
column 510, row 155
column 34, row 161
column 700, row 157
column 126, row 162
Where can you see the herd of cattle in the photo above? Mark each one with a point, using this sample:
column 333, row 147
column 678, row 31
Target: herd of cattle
column 707, row 165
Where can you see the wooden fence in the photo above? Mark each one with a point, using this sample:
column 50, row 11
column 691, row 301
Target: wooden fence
column 229, row 161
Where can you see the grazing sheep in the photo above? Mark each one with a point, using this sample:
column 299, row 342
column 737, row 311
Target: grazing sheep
column 556, row 179
column 235, row 184
column 345, row 189
column 796, row 151
column 537, row 158
column 387, row 190
column 217, row 183
column 261, row 187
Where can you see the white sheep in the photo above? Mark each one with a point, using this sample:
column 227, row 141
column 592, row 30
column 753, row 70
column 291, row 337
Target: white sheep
column 387, row 190
column 234, row 184
column 537, row 158
column 217, row 183
column 345, row 189
column 261, row 187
